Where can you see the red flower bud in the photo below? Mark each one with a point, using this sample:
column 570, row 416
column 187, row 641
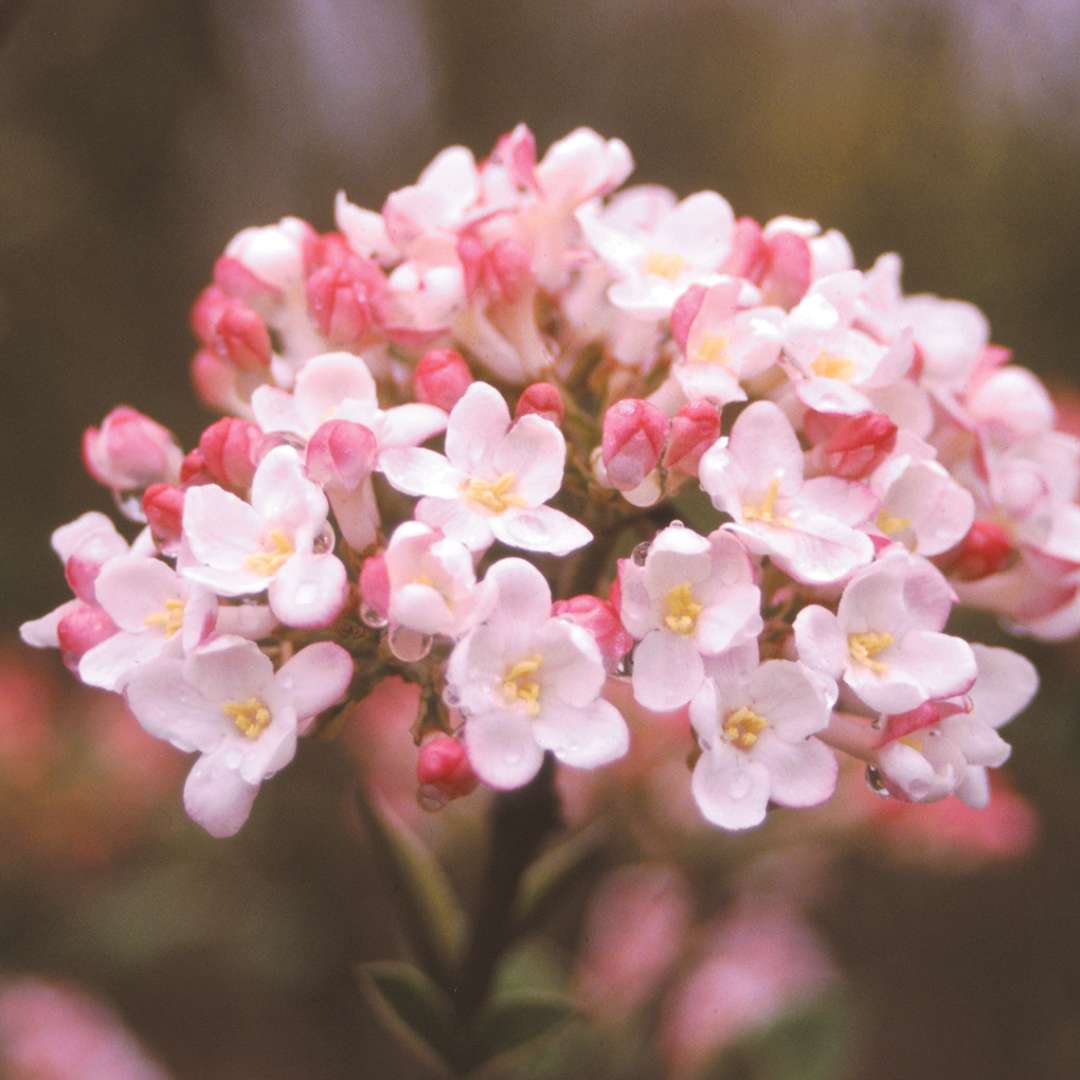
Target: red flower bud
column 985, row 550
column 633, row 439
column 229, row 448
column 441, row 377
column 694, row 428
column 341, row 455
column 163, row 505
column 443, row 770
column 338, row 303
column 543, row 399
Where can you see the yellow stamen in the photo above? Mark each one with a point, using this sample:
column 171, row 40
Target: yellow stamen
column 743, row 726
column 170, row 618
column 665, row 264
column 891, row 525
column 518, row 684
column 251, row 718
column 712, row 350
column 864, row 647
column 494, row 495
column 914, row 743
column 830, row 366
column 682, row 609
column 278, row 551
column 765, row 510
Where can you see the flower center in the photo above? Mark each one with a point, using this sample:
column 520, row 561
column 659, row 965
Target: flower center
column 891, row 525
column 493, row 495
column 743, row 726
column 519, row 684
column 830, row 366
column 864, row 647
column 713, row 350
column 169, row 619
column 765, row 511
column 251, row 718
column 277, row 553
column 665, row 264
column 682, row 609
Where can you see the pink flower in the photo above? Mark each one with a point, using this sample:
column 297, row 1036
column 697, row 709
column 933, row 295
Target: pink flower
column 441, row 377
column 694, row 597
column 601, row 619
column 130, row 451
column 241, row 548
column 494, row 479
column 527, row 682
column 809, row 528
column 634, row 434
column 755, row 726
column 884, row 641
column 225, row 702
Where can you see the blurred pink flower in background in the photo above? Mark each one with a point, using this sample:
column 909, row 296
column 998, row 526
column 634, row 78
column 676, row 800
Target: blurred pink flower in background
column 53, row 1031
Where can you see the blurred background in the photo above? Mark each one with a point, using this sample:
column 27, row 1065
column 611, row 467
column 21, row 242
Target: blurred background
column 135, row 139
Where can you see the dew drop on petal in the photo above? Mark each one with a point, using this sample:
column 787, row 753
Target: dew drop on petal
column 625, row 666
column 275, row 439
column 370, row 617
column 677, row 524
column 408, row 645
column 324, row 540
column 640, row 553
column 878, row 723
column 876, row 783
column 451, row 696
column 129, row 503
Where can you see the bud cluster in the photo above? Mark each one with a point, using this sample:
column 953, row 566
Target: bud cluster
column 461, row 435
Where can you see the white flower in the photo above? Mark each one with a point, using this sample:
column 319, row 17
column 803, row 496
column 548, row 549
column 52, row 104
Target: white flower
column 527, row 682
column 494, row 479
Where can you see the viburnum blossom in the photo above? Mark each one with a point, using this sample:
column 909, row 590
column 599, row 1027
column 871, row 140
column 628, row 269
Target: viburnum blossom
column 512, row 354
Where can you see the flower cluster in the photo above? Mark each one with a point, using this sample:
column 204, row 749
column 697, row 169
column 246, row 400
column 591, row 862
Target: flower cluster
column 461, row 437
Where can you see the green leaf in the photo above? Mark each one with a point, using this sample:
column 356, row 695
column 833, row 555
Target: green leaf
column 434, row 920
column 513, row 1020
column 555, row 872
column 411, row 1008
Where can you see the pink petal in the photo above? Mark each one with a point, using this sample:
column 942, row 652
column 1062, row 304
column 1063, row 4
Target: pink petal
column 113, row 663
column 785, row 694
column 411, row 424
column 677, row 555
column 540, row 528
column 416, row 471
column 169, row 707
column 229, row 669
column 1005, row 685
column 310, row 591
column 421, row 608
column 731, row 621
column 325, row 382
column 131, row 588
column 275, row 410
column 502, row 750
column 572, row 669
column 216, row 797
column 283, row 496
column 820, row 641
column 801, row 773
column 582, row 737
column 316, row 678
column 730, row 790
column 456, row 521
column 766, row 448
column 476, row 427
column 668, row 671
column 534, row 451
column 221, row 529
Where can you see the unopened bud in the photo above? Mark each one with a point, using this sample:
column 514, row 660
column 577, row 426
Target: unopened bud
column 81, row 628
column 341, row 455
column 986, row 549
column 130, row 451
column 852, row 446
column 694, row 428
column 633, row 440
column 375, row 585
column 601, row 619
column 544, row 400
column 441, row 378
column 443, row 771
column 163, row 505
column 214, row 379
column 685, row 312
column 228, row 447
column 338, row 303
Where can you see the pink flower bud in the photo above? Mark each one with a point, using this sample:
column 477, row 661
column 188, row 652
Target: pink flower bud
column 685, row 312
column 543, row 399
column 443, row 770
column 985, row 550
column 694, row 428
column 81, row 628
column 853, row 446
column 601, row 619
column 193, row 469
column 214, row 379
column 502, row 270
column 341, row 455
column 338, row 303
column 241, row 337
column 129, row 451
column 228, row 447
column 516, row 151
column 789, row 270
column 163, row 505
column 633, row 440
column 375, row 585
column 441, row 377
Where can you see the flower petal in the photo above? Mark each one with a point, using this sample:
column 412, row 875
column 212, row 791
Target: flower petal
column 583, row 737
column 316, row 678
column 416, row 471
column 217, row 798
column 310, row 591
column 534, row 451
column 502, row 750
column 801, row 773
column 325, row 382
column 540, row 528
column 476, row 426
column 730, row 790
column 668, row 671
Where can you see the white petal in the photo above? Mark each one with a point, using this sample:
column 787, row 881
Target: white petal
column 112, row 663
column 583, row 737
column 416, row 471
column 534, row 451
column 316, row 678
column 169, row 707
column 668, row 671
column 217, row 798
column 310, row 591
column 477, row 425
column 502, row 750
column 731, row 791
column 541, row 528
column 130, row 588
column 326, row 381
column 801, row 773
column 410, row 425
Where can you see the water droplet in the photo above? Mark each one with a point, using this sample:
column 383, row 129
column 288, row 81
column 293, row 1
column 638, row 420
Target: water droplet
column 676, row 524
column 129, row 503
column 324, row 540
column 876, row 783
column 370, row 617
column 430, row 798
column 640, row 553
column 451, row 696
column 933, row 733
column 625, row 667
column 408, row 645
column 878, row 723
column 279, row 438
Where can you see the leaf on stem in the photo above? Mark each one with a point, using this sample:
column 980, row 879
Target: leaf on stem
column 510, row 1022
column 555, row 872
